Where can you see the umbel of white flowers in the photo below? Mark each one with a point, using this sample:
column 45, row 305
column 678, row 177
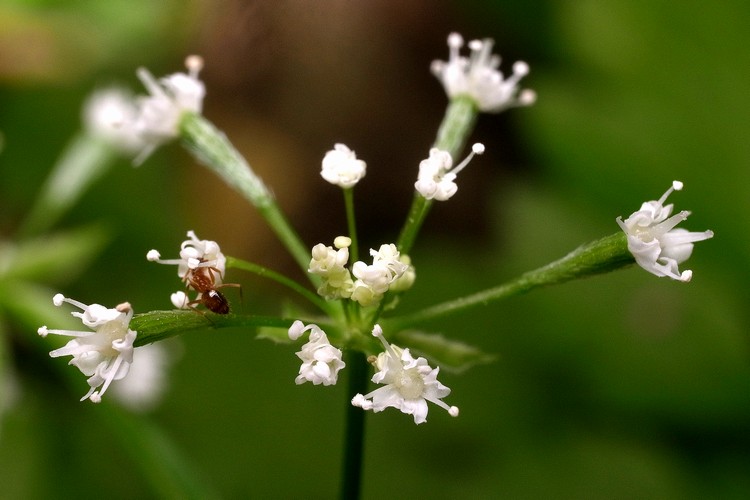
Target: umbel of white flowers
column 341, row 167
column 436, row 178
column 659, row 247
column 105, row 353
column 408, row 383
column 143, row 123
column 194, row 253
column 321, row 362
column 478, row 77
column 389, row 271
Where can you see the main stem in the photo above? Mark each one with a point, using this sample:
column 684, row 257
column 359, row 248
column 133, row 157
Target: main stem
column 351, row 481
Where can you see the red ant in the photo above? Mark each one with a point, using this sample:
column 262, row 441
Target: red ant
column 202, row 280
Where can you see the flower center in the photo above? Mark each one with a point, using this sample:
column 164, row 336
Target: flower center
column 410, row 384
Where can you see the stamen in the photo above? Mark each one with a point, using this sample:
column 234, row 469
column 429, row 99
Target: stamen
column 676, row 186
column 476, row 149
column 194, row 65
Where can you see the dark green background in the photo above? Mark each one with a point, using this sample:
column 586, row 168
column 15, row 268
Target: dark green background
column 621, row 386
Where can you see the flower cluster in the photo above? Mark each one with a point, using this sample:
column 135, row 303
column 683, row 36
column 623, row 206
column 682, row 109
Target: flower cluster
column 655, row 243
column 144, row 123
column 104, row 354
column 321, row 362
column 110, row 115
column 342, row 168
column 389, row 270
column 194, row 254
column 436, row 177
column 330, row 264
column 408, row 383
column 478, row 77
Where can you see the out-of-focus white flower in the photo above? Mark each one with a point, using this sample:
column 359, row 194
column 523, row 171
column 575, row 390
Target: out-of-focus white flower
column 169, row 98
column 342, row 168
column 478, row 77
column 408, row 384
column 655, row 243
column 195, row 253
column 147, row 380
column 436, row 179
column 111, row 114
column 321, row 362
column 104, row 354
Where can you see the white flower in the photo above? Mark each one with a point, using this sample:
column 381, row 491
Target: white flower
column 111, row 114
column 409, row 384
column 146, row 382
column 330, row 265
column 180, row 300
column 436, row 178
column 478, row 77
column 104, row 354
column 655, row 243
column 374, row 280
column 321, row 361
column 407, row 279
column 170, row 98
column 195, row 253
column 341, row 167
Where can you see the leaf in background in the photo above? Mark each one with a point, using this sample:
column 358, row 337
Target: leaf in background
column 450, row 355
column 51, row 259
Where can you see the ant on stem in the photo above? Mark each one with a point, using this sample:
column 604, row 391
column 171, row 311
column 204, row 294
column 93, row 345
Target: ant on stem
column 202, row 280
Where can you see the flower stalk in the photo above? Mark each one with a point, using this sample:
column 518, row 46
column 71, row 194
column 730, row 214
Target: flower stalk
column 458, row 123
column 597, row 257
column 212, row 148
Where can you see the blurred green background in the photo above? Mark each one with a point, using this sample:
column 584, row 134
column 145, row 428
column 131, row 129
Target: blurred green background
column 620, row 386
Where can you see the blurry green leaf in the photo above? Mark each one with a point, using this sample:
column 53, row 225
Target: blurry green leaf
column 166, row 468
column 31, row 306
column 451, row 355
column 276, row 335
column 52, row 258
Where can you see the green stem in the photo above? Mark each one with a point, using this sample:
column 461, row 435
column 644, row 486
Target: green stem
column 458, row 122
column 212, row 148
column 604, row 255
column 159, row 325
column 264, row 272
column 351, row 224
column 351, row 479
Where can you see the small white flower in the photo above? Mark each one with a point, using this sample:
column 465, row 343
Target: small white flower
column 330, row 265
column 436, row 179
column 180, row 300
column 321, row 362
column 160, row 112
column 104, row 354
column 655, row 243
column 409, row 384
column 195, row 253
column 478, row 77
column 374, row 280
column 110, row 114
column 342, row 168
